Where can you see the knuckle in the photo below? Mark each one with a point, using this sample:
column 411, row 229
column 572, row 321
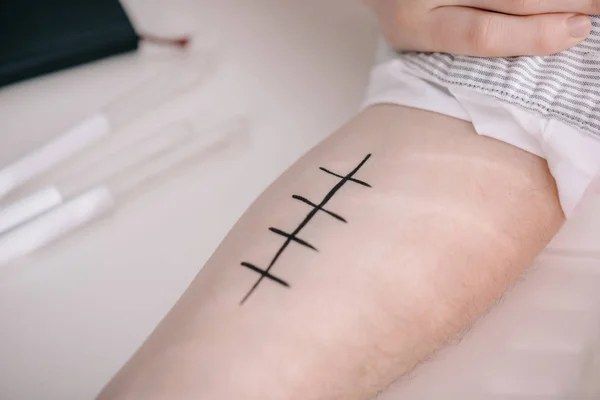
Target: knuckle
column 544, row 42
column 542, row 47
column 480, row 35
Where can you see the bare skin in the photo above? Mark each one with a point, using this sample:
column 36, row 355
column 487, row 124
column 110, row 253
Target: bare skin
column 451, row 221
column 485, row 28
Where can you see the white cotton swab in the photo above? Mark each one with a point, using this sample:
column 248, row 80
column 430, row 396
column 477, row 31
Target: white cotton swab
column 102, row 198
column 139, row 151
column 178, row 77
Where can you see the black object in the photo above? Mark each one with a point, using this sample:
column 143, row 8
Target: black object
column 42, row 36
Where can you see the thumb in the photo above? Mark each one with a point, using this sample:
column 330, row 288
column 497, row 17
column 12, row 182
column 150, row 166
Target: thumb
column 474, row 32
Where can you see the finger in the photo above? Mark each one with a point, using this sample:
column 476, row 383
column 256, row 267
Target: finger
column 468, row 31
column 533, row 7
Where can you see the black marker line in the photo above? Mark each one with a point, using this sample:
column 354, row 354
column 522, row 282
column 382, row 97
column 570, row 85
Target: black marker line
column 265, row 274
column 309, row 216
column 342, row 177
column 294, row 238
column 310, row 203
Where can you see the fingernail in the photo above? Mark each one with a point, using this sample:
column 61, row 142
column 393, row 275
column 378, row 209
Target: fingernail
column 580, row 26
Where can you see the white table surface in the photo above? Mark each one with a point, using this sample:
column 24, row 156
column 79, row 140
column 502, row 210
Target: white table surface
column 73, row 313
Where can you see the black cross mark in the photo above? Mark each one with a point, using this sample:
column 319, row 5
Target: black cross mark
column 265, row 274
column 313, row 205
column 343, row 177
column 293, row 237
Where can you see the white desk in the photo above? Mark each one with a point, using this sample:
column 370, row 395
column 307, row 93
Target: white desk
column 73, row 313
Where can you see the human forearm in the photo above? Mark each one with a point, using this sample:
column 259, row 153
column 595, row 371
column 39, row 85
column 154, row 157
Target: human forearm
column 451, row 220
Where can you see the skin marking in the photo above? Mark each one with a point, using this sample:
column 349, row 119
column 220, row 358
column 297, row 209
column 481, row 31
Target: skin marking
column 302, row 199
column 293, row 237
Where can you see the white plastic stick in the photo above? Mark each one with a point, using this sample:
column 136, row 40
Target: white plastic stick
column 55, row 224
column 142, row 150
column 88, row 131
column 29, row 207
column 98, row 201
column 177, row 78
column 209, row 140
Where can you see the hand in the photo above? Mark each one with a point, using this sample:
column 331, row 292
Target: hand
column 485, row 28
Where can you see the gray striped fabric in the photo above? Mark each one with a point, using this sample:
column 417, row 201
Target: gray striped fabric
column 564, row 86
